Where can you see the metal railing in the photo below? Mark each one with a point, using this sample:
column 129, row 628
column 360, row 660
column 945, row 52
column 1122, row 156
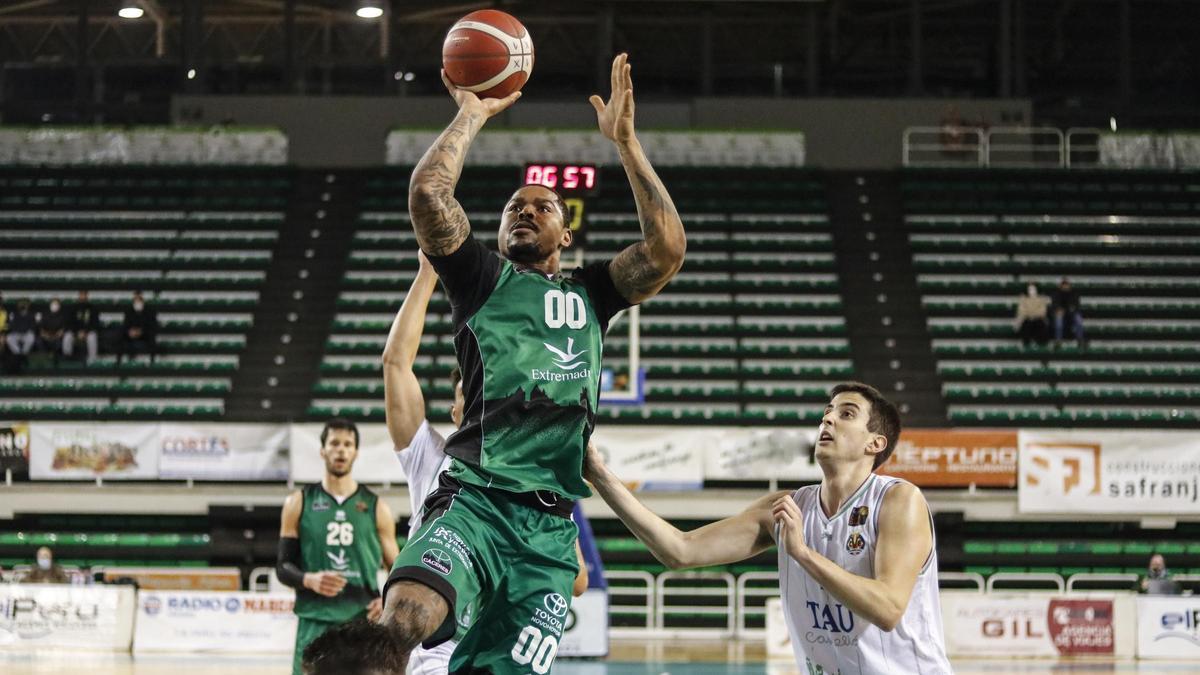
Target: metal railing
column 948, row 579
column 1122, row 581
column 945, row 146
column 1021, row 581
column 1004, row 146
column 744, row 592
column 703, row 585
column 645, row 608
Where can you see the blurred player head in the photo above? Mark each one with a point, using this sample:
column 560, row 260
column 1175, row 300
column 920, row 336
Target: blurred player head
column 533, row 226
column 859, row 424
column 456, row 410
column 359, row 647
column 339, row 446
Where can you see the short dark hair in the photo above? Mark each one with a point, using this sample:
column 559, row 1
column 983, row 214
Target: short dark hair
column 884, row 419
column 562, row 204
column 339, row 423
column 359, row 647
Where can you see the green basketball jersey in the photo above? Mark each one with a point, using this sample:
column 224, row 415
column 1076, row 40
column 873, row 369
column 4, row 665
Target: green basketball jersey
column 529, row 345
column 339, row 538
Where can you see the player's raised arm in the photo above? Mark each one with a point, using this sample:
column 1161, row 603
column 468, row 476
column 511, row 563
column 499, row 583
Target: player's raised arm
column 437, row 217
column 725, row 541
column 641, row 270
column 404, row 402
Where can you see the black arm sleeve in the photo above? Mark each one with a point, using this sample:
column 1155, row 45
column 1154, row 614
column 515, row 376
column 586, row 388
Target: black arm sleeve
column 469, row 276
column 287, row 566
column 605, row 297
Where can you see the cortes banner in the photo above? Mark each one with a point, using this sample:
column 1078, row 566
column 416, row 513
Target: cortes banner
column 36, row 616
column 206, row 621
column 1168, row 627
column 81, row 451
column 257, row 452
column 376, row 461
column 14, row 448
column 955, row 458
column 1036, row 625
column 1120, row 472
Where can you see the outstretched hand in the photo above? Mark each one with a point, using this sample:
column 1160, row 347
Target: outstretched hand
column 616, row 116
column 468, row 101
column 593, row 463
column 790, row 520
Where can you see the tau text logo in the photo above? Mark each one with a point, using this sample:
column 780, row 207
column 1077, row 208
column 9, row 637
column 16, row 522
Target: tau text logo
column 555, row 604
column 438, row 561
column 1062, row 469
column 567, row 360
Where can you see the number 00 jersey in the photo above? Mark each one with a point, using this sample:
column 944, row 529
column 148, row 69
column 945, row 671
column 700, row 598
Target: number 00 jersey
column 339, row 538
column 827, row 637
column 529, row 346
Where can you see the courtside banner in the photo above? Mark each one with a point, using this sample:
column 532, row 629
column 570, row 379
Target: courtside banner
column 1008, row 625
column 955, row 458
column 37, row 616
column 1118, row 472
column 1168, row 627
column 86, row 450
column 257, row 452
column 655, row 458
column 376, row 461
column 586, row 627
column 760, row 454
column 14, row 448
column 214, row 622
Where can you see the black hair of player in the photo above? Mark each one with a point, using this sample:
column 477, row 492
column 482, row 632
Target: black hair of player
column 359, row 647
column 884, row 419
column 562, row 204
column 455, row 378
column 339, row 423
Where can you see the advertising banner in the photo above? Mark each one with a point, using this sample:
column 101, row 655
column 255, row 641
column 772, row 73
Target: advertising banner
column 779, row 640
column 1168, row 627
column 955, row 458
column 1035, row 625
column 178, row 578
column 37, row 616
column 14, row 448
column 1117, row 472
column 257, row 452
column 87, row 450
column 660, row 458
column 376, row 461
column 586, row 631
column 760, row 454
column 215, row 622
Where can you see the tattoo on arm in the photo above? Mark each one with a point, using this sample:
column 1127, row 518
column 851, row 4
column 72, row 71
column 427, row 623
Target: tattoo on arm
column 438, row 219
column 642, row 269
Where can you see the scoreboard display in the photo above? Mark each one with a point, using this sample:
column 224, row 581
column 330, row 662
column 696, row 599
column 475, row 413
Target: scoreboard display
column 566, row 179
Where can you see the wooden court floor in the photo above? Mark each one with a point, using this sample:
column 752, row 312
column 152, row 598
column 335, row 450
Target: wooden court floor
column 628, row 657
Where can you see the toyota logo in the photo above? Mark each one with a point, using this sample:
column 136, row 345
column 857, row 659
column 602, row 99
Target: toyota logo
column 555, row 604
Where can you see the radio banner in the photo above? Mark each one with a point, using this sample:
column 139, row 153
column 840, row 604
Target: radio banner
column 14, row 448
column 257, row 452
column 586, row 625
column 1037, row 625
column 760, row 454
column 661, row 458
column 376, row 461
column 215, row 622
column 955, row 458
column 86, row 450
column 1118, row 472
column 1168, row 627
column 37, row 616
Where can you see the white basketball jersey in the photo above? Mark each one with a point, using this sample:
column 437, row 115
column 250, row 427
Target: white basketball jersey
column 827, row 637
column 423, row 460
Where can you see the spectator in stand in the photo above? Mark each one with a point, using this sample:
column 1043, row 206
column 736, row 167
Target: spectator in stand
column 1066, row 311
column 47, row 571
column 22, row 327
column 52, row 326
column 83, row 325
column 139, row 330
column 1031, row 320
column 1158, row 578
column 3, row 323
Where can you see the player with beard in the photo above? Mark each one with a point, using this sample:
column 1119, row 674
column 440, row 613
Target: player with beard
column 333, row 537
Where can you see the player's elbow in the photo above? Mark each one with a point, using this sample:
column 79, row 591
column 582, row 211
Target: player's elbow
column 423, row 198
column 889, row 617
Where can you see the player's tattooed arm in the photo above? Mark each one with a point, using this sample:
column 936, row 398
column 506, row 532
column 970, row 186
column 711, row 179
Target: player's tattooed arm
column 438, row 219
column 640, row 271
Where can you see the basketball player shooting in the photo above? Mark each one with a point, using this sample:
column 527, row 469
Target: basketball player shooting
column 857, row 556
column 495, row 559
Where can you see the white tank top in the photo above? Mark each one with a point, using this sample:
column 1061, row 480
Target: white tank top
column 827, row 637
column 423, row 460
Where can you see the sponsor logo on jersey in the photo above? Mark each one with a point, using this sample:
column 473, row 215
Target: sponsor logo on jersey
column 556, row 604
column 361, row 506
column 340, row 516
column 437, row 560
column 855, row 543
column 836, row 619
column 566, row 360
column 340, row 562
column 858, row 516
column 321, row 503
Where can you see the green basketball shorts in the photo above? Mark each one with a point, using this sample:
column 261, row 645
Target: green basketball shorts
column 505, row 563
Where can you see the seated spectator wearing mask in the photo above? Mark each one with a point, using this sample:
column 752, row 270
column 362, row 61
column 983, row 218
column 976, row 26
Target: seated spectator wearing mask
column 22, row 325
column 83, row 325
column 47, row 571
column 139, row 330
column 1031, row 320
column 1066, row 311
column 52, row 325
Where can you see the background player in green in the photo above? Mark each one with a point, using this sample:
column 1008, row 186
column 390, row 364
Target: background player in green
column 497, row 534
column 333, row 536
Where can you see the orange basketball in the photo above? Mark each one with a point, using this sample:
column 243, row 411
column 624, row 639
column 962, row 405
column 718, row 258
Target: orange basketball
column 489, row 53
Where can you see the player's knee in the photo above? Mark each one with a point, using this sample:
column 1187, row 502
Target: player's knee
column 412, row 613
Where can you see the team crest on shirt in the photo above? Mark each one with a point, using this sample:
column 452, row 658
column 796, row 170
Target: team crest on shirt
column 361, row 506
column 858, row 516
column 855, row 543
